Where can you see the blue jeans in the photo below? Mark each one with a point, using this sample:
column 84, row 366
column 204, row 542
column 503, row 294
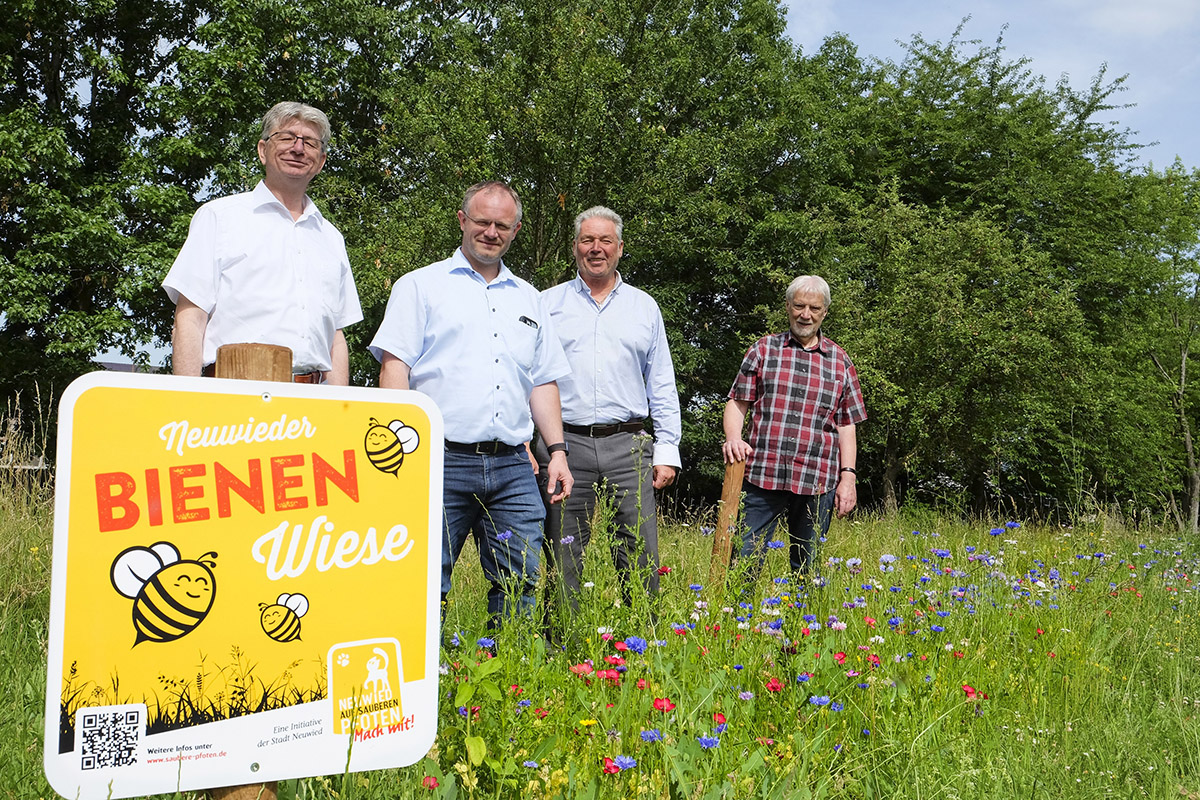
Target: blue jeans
column 496, row 500
column 806, row 514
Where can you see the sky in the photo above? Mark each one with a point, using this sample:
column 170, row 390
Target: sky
column 1155, row 42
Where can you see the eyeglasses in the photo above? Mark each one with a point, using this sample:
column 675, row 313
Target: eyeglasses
column 501, row 227
column 604, row 241
column 311, row 143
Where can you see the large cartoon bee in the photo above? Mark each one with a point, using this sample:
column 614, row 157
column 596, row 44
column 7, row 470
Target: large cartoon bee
column 281, row 619
column 170, row 596
column 387, row 446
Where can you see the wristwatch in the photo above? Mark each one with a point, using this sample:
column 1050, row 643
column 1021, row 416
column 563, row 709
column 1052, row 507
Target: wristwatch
column 554, row 448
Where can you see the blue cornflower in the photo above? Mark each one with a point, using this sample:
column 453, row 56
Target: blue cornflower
column 484, row 641
column 774, row 544
column 819, row 699
column 996, row 531
column 695, row 587
column 803, row 677
column 895, row 621
column 775, row 624
column 866, row 731
column 653, row 735
column 1012, row 524
column 530, row 764
column 737, row 666
column 524, row 703
column 567, row 539
column 505, row 536
column 636, row 644
column 936, row 628
column 781, row 581
column 708, row 742
column 625, row 762
column 721, row 728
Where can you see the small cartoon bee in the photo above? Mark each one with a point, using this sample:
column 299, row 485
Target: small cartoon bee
column 170, row 597
column 281, row 619
column 387, row 446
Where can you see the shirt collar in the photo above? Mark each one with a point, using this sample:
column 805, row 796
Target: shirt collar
column 459, row 263
column 578, row 285
column 262, row 196
column 821, row 346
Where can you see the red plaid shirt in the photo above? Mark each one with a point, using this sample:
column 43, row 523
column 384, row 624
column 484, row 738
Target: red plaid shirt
column 798, row 399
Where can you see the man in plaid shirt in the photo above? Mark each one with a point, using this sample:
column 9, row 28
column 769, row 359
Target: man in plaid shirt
column 802, row 394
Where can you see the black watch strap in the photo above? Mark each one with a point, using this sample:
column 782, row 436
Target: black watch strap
column 554, row 448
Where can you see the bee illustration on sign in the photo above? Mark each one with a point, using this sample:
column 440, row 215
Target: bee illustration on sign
column 386, row 446
column 281, row 619
column 170, row 596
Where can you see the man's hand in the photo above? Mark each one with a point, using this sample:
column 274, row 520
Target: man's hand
column 846, row 496
column 558, row 476
column 532, row 460
column 736, row 450
column 664, row 475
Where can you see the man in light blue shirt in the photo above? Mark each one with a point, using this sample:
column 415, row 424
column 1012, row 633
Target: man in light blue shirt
column 478, row 341
column 621, row 374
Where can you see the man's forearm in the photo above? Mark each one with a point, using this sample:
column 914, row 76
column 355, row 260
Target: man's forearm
column 393, row 373
column 187, row 338
column 339, row 356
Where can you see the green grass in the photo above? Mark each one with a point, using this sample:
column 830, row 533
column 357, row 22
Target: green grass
column 1092, row 679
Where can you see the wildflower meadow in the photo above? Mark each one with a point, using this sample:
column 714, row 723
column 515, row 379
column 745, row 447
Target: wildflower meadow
column 926, row 657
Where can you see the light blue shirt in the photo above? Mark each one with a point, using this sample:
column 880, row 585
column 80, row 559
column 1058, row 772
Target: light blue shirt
column 476, row 348
column 620, row 362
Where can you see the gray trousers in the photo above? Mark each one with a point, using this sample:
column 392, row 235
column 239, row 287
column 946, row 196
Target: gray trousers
column 621, row 466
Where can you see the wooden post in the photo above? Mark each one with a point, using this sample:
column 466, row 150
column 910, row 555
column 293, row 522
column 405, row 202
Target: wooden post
column 731, row 498
column 256, row 362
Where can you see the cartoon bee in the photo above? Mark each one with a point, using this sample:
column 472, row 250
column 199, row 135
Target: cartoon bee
column 170, row 597
column 387, row 446
column 281, row 619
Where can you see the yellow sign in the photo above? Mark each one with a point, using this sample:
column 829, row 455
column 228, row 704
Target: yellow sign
column 245, row 583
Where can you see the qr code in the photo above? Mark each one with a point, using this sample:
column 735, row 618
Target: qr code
column 109, row 737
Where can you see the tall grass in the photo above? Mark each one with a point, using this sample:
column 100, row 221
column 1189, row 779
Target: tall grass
column 931, row 659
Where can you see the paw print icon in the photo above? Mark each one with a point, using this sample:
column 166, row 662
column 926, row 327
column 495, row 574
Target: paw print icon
column 343, row 660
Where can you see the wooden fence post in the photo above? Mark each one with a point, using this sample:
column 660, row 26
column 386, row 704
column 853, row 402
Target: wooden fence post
column 257, row 362
column 731, row 498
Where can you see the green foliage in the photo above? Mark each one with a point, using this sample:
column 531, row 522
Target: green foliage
column 1000, row 267
column 986, row 662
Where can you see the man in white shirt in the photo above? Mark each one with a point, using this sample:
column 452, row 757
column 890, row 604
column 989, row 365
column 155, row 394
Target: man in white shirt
column 266, row 266
column 476, row 339
column 621, row 373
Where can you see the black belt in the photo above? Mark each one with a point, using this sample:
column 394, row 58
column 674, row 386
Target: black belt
column 609, row 429
column 210, row 371
column 483, row 448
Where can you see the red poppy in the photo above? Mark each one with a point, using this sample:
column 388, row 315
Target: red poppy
column 641, row 683
column 609, row 675
column 616, row 661
column 540, row 712
column 583, row 668
column 429, row 782
column 610, row 766
column 840, row 658
column 621, row 646
column 664, row 704
column 663, row 570
column 774, row 685
column 719, row 718
column 972, row 694
column 870, row 621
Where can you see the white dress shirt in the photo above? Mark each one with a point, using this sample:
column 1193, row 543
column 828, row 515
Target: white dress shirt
column 263, row 277
column 620, row 363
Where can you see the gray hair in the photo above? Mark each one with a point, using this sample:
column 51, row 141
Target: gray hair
column 287, row 111
column 601, row 212
column 809, row 283
column 491, row 186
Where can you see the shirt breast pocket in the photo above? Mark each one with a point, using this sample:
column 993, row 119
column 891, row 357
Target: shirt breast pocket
column 521, row 338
